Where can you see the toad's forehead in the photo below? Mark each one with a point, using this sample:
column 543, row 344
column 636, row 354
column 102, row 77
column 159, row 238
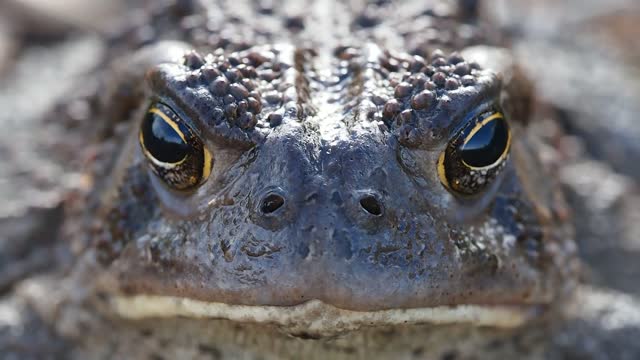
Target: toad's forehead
column 243, row 96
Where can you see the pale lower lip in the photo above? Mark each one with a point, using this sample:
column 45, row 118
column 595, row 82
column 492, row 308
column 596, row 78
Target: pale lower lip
column 317, row 317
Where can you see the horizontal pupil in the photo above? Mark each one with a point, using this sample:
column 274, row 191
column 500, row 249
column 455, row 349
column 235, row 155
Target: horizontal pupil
column 487, row 145
column 162, row 141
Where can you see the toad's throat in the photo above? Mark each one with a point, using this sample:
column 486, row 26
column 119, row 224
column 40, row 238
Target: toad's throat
column 318, row 318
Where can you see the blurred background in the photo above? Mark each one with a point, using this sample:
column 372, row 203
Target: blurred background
column 584, row 56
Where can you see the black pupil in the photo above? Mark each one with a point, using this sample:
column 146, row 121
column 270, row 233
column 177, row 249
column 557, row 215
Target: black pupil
column 487, row 145
column 162, row 141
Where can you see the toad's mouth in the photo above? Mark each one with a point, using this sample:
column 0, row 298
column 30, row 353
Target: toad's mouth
column 317, row 318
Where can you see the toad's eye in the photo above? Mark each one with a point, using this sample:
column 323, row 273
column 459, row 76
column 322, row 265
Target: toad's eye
column 175, row 153
column 476, row 155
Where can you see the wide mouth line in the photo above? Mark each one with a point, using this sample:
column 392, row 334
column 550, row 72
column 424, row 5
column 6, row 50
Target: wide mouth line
column 317, row 317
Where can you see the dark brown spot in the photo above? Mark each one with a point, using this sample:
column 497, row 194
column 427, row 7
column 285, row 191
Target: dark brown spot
column 193, row 60
column 403, row 90
column 274, row 119
column 416, row 64
column 193, row 79
column 406, row 116
column 238, row 91
column 422, row 100
column 248, row 84
column 468, row 80
column 219, row 86
column 439, row 62
column 209, row 72
column 254, row 105
column 452, row 84
column 273, row 97
column 439, row 79
column 246, row 121
column 455, row 58
column 243, row 106
column 462, row 69
column 231, row 111
column 391, row 108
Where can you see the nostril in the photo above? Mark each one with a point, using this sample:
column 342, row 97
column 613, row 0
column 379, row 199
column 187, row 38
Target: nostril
column 271, row 203
column 371, row 205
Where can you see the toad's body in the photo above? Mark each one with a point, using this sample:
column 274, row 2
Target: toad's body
column 316, row 172
column 322, row 182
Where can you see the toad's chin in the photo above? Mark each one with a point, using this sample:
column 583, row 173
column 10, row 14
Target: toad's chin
column 316, row 318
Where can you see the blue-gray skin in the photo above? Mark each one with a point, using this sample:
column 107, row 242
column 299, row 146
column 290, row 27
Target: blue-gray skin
column 325, row 183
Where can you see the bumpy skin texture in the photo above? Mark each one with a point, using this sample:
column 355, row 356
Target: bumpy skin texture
column 323, row 124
